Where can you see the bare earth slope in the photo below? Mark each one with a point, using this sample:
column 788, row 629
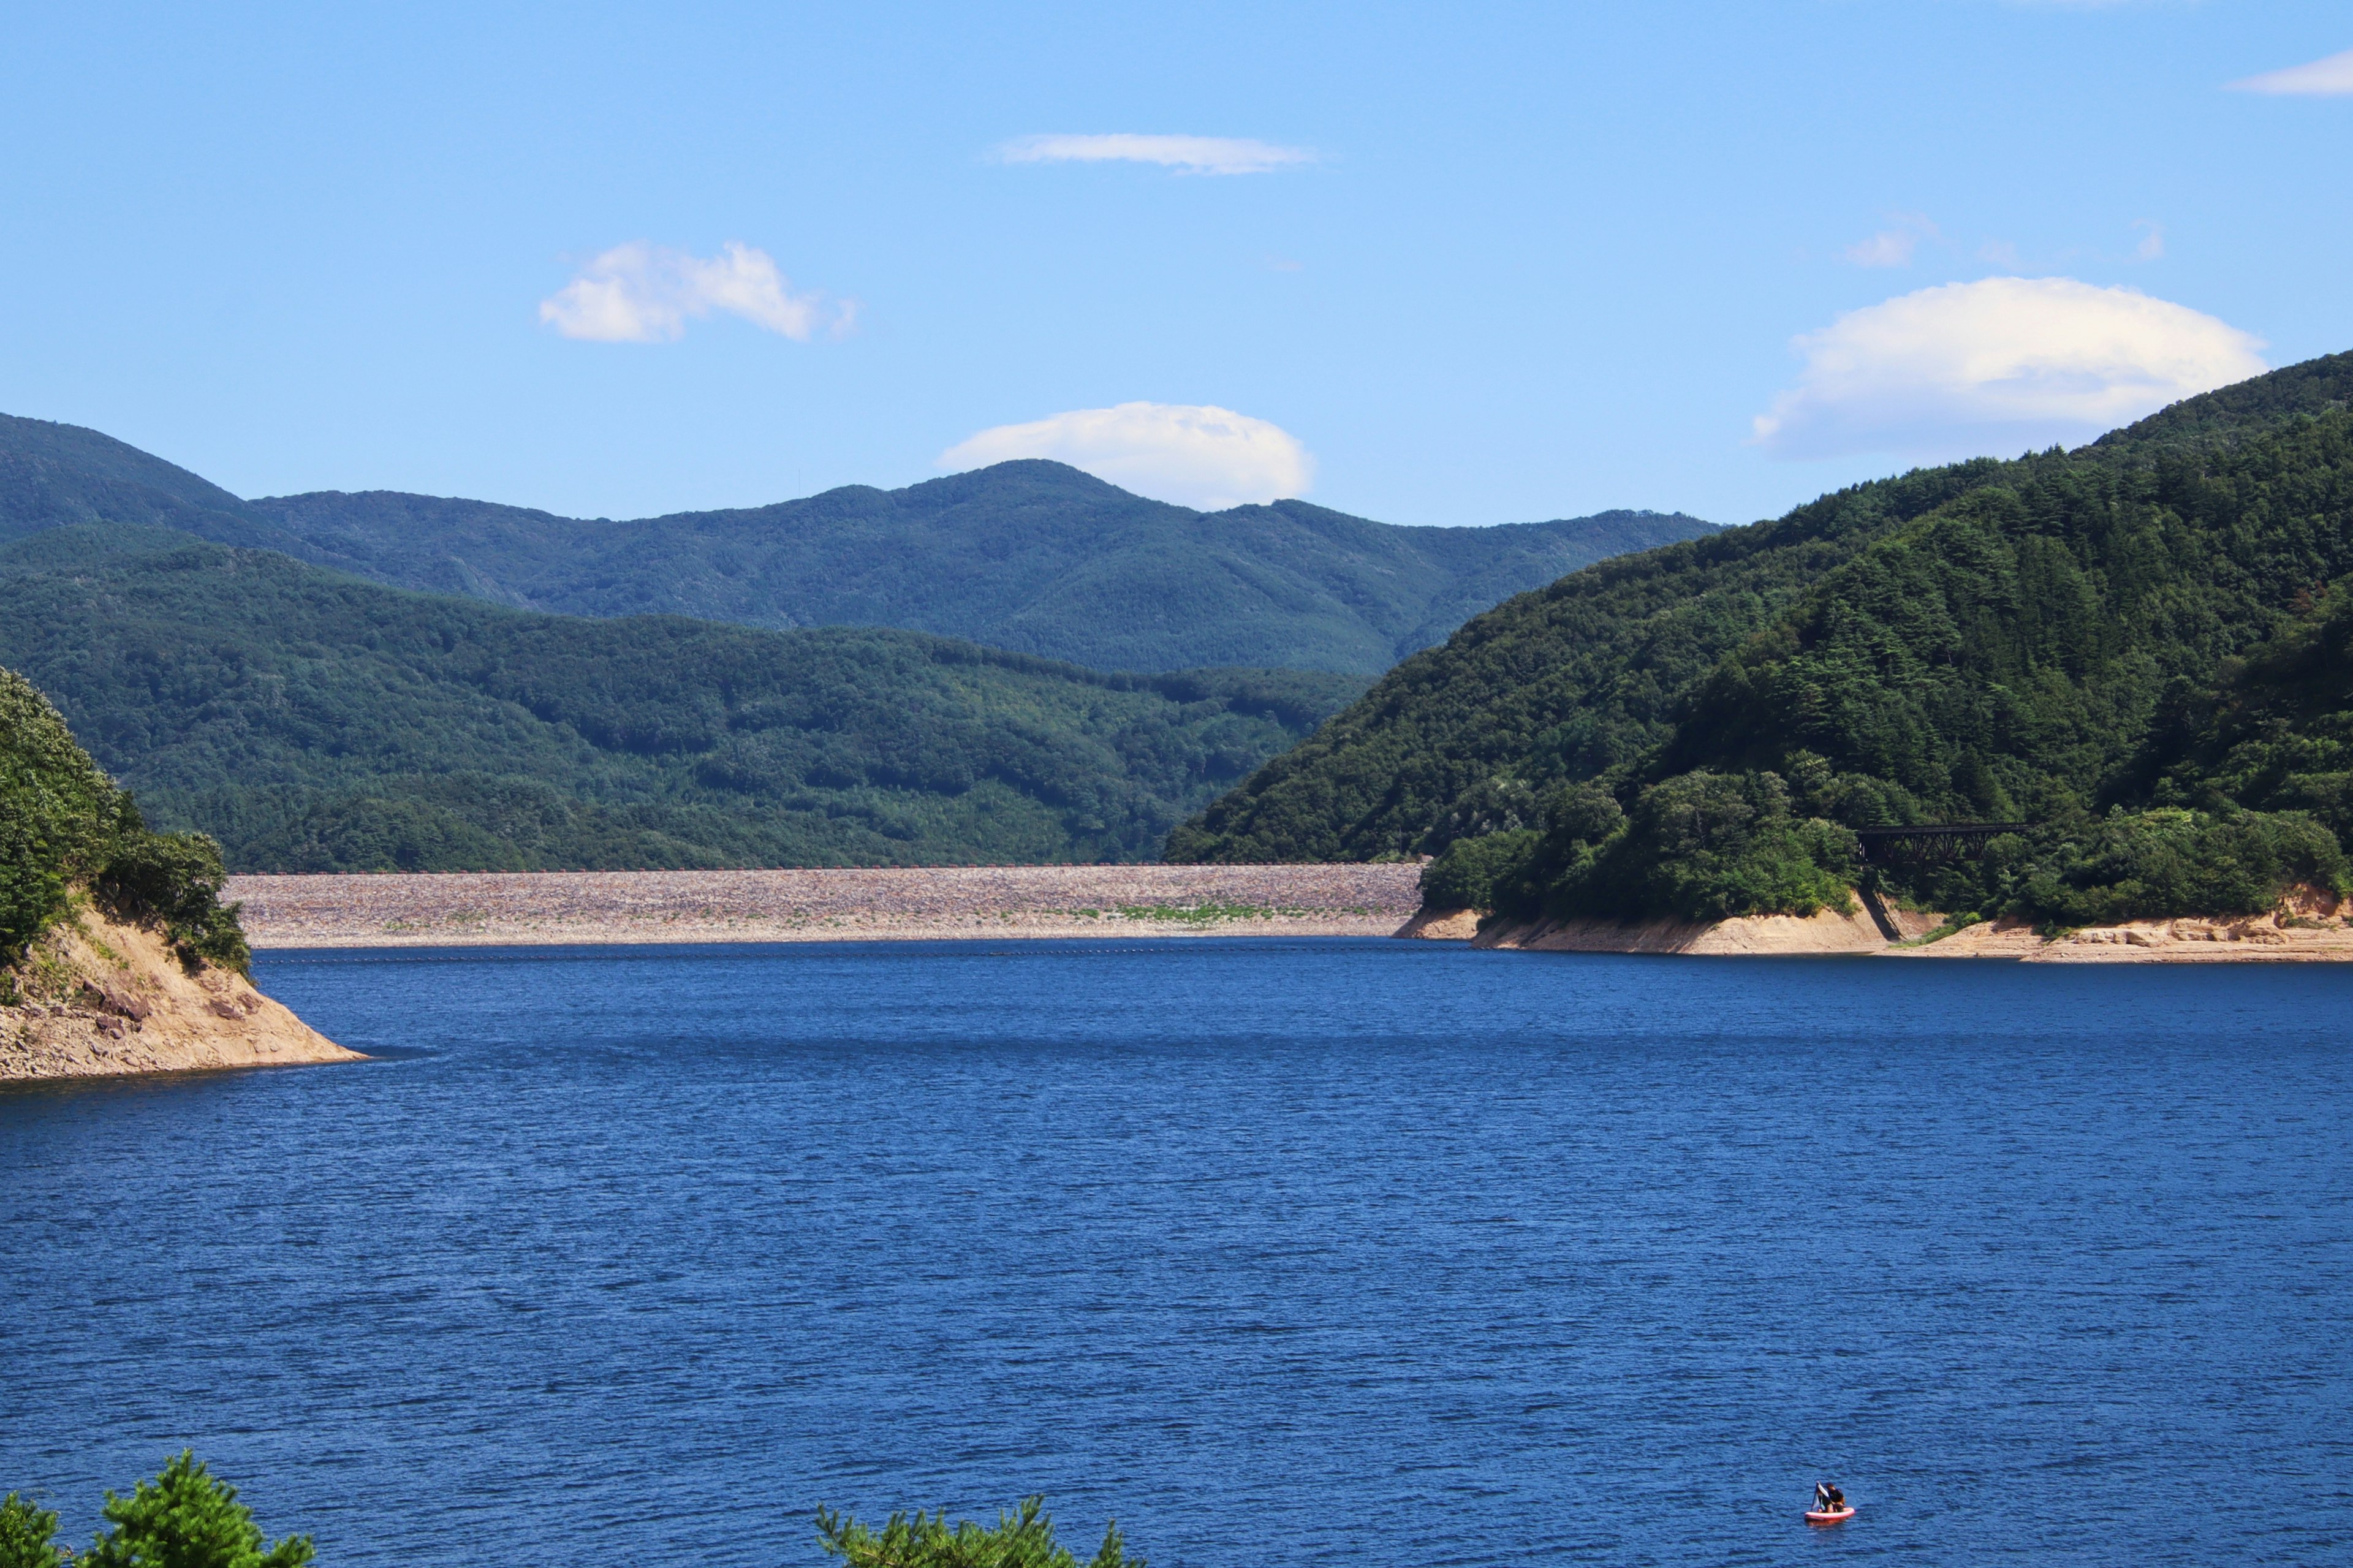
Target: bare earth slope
column 2309, row 927
column 100, row 999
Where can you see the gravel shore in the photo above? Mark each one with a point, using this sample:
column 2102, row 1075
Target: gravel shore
column 485, row 909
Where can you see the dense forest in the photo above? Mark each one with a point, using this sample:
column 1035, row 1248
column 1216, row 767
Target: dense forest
column 1032, row 556
column 313, row 722
column 2137, row 648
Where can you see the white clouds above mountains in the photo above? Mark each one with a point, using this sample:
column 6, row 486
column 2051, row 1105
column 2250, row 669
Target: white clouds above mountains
column 1997, row 366
column 1193, row 455
column 2331, row 78
column 640, row 293
column 1185, row 154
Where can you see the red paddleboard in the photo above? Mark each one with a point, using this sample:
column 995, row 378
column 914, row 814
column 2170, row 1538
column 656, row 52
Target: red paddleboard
column 1830, row 1516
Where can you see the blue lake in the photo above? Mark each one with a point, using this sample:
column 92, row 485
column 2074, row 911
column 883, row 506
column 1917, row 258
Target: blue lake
column 1284, row 1252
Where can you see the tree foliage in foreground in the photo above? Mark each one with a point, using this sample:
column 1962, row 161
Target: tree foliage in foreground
column 1022, row 1540
column 185, row 1517
column 28, row 1534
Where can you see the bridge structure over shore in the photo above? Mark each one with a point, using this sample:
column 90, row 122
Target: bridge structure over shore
column 1920, row 844
column 1931, row 843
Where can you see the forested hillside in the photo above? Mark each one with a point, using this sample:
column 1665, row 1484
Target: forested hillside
column 2129, row 646
column 314, row 721
column 1032, row 556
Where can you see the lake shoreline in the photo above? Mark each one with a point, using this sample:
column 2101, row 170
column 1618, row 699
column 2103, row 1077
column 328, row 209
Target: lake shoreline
column 99, row 997
column 2307, row 929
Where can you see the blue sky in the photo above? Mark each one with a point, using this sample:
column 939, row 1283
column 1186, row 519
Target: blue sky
column 1500, row 263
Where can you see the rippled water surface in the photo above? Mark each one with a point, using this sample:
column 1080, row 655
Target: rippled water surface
column 1284, row 1252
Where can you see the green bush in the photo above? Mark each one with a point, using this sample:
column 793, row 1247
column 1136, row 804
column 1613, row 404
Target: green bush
column 1018, row 1540
column 186, row 1519
column 175, row 880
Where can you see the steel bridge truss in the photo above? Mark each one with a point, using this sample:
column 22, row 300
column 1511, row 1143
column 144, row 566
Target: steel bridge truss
column 1931, row 843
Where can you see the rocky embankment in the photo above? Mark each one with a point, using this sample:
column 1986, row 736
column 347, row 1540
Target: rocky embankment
column 2309, row 926
column 96, row 998
column 538, row 908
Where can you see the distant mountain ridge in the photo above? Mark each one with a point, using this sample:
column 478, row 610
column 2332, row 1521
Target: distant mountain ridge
column 314, row 721
column 1032, row 556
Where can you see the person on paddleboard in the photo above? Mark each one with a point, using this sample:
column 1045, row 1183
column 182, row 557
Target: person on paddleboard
column 1822, row 1497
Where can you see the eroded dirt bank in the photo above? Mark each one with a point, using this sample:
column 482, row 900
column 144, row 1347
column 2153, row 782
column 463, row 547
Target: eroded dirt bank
column 1826, row 932
column 2307, row 926
column 541, row 907
column 100, row 999
column 2281, row 937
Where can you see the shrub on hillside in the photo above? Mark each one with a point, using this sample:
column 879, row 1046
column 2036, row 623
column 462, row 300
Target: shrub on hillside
column 175, row 879
column 63, row 823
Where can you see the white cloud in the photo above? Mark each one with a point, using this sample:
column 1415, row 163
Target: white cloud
column 1204, row 458
column 1893, row 246
column 1997, row 366
column 1185, row 154
column 2152, row 240
column 640, row 293
column 2331, row 78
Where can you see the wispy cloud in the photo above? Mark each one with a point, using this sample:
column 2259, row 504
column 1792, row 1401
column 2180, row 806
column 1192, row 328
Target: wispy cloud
column 1894, row 246
column 1997, row 365
column 1185, row 154
column 2331, row 78
column 1195, row 454
column 2152, row 240
column 640, row 293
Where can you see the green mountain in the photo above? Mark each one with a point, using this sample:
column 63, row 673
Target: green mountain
column 1031, row 556
column 312, row 721
column 2129, row 645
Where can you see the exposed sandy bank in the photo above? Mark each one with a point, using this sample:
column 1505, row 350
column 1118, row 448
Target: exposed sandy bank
column 543, row 908
column 2279, row 938
column 2308, row 928
column 100, row 999
column 1826, row 932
